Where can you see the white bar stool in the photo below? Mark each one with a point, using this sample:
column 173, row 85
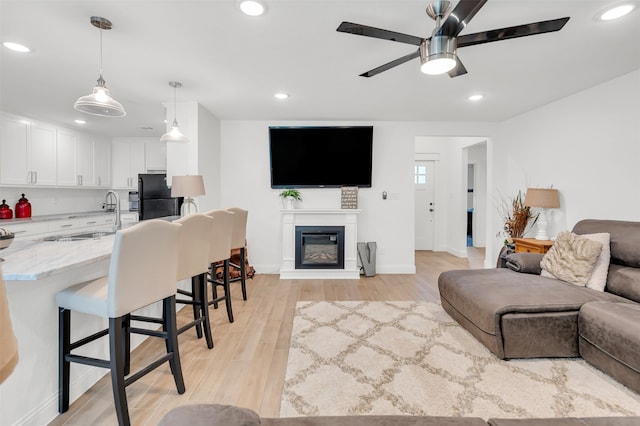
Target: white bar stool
column 239, row 241
column 193, row 263
column 220, row 252
column 142, row 271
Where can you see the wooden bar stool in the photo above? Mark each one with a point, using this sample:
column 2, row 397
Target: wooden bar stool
column 142, row 271
column 193, row 263
column 219, row 253
column 239, row 241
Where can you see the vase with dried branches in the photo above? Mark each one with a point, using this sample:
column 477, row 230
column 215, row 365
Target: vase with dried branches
column 517, row 217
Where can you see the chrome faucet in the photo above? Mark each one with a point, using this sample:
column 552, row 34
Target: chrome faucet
column 118, row 223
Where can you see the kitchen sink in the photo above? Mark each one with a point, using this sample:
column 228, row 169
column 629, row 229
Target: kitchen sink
column 79, row 237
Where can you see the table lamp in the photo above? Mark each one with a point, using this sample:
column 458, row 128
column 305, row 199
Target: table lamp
column 543, row 198
column 188, row 187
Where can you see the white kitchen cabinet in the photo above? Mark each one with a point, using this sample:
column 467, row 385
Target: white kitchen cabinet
column 103, row 164
column 155, row 156
column 26, row 229
column 128, row 161
column 66, row 158
column 128, row 218
column 13, row 151
column 86, row 162
column 41, row 151
column 76, row 160
column 27, row 153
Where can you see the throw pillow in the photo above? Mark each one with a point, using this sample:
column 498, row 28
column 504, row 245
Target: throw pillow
column 571, row 258
column 598, row 278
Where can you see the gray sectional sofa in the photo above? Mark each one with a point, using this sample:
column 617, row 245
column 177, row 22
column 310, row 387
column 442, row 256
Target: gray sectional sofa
column 227, row 415
column 524, row 315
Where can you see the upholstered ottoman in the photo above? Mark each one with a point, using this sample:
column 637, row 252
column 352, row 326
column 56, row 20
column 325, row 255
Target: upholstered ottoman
column 609, row 338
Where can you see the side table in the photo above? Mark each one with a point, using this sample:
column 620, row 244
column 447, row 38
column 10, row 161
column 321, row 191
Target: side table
column 531, row 245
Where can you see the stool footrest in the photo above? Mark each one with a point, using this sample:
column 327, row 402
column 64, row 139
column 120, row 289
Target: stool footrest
column 148, row 369
column 94, row 362
column 146, row 319
column 147, row 332
column 88, row 339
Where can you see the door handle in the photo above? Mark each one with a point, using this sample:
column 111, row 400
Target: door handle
column 430, row 210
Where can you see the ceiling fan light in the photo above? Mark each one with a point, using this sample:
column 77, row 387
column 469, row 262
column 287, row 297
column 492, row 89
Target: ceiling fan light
column 438, row 55
column 438, row 64
column 100, row 103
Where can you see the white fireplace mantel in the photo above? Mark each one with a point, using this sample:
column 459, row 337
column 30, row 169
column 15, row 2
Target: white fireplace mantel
column 320, row 217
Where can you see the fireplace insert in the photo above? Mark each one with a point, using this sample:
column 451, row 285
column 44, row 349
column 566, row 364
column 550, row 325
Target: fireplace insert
column 319, row 247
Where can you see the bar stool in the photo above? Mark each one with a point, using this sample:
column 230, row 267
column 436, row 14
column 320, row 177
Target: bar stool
column 239, row 241
column 219, row 253
column 142, row 271
column 193, row 263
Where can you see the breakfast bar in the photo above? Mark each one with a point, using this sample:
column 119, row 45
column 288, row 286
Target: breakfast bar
column 34, row 271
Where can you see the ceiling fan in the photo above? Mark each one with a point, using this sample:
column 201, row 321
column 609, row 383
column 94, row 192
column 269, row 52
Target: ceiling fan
column 438, row 53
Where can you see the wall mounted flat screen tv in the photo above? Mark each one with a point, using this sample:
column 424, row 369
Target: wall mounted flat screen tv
column 321, row 157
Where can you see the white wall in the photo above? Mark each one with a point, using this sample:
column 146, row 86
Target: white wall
column 245, row 182
column 586, row 145
column 477, row 155
column 451, row 188
column 209, row 159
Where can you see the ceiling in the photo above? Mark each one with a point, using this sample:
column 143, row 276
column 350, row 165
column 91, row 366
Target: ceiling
column 233, row 64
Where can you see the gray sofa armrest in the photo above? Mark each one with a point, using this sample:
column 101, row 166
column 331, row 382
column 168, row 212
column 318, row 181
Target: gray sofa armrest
column 527, row 263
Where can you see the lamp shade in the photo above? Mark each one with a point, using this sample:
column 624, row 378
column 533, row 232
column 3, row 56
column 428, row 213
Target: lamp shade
column 187, row 186
column 99, row 102
column 546, row 198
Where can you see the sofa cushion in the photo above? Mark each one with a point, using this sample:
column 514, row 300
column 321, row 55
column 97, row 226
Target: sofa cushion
column 571, row 258
column 210, row 415
column 598, row 278
column 624, row 281
column 625, row 238
column 374, row 421
column 526, row 263
column 612, row 328
column 568, row 421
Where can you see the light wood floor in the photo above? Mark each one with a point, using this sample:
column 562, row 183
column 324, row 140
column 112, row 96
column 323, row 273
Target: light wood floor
column 247, row 365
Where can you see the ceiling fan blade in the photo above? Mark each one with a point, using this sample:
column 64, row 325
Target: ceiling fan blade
column 391, row 64
column 458, row 70
column 512, row 32
column 459, row 17
column 364, row 30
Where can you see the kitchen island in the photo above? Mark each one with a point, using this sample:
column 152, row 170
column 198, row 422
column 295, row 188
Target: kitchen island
column 34, row 271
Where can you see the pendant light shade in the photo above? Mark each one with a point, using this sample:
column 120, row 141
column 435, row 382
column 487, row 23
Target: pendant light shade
column 174, row 135
column 99, row 102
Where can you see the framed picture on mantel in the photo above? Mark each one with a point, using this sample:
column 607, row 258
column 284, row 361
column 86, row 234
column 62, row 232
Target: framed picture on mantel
column 349, row 199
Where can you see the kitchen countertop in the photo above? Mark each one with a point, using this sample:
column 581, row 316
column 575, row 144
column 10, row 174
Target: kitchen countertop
column 36, row 259
column 60, row 216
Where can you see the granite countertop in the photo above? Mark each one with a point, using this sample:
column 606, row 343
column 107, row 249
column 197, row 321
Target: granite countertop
column 38, row 259
column 60, row 216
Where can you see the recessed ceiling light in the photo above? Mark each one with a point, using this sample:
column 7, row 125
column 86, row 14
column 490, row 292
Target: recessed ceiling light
column 616, row 12
column 252, row 7
column 16, row 47
column 81, row 121
column 476, row 97
column 282, row 96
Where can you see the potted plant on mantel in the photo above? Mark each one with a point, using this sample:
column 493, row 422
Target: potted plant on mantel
column 289, row 196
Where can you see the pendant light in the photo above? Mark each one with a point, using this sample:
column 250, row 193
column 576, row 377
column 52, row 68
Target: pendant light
column 174, row 135
column 99, row 102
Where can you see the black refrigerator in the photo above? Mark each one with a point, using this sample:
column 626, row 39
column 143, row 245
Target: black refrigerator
column 155, row 197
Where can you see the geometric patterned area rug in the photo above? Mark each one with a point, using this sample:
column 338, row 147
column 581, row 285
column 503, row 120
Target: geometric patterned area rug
column 412, row 358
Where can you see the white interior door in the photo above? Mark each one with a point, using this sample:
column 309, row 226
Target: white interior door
column 425, row 204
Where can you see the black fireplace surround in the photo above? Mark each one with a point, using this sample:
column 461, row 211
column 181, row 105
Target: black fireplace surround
column 319, row 247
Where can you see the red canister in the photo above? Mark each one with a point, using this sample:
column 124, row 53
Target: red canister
column 5, row 210
column 23, row 208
